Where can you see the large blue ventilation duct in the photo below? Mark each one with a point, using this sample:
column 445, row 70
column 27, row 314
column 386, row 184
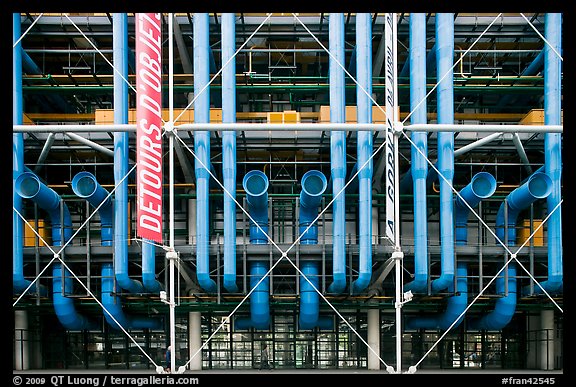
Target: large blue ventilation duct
column 19, row 283
column 537, row 186
column 337, row 151
column 113, row 305
column 202, row 149
column 121, row 157
column 419, row 167
column 553, row 151
column 364, row 149
column 229, row 148
column 29, row 186
column 482, row 186
column 314, row 184
column 255, row 184
column 84, row 185
column 445, row 101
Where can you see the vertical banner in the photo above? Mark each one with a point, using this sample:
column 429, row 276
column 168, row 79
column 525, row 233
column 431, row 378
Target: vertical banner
column 149, row 125
column 391, row 118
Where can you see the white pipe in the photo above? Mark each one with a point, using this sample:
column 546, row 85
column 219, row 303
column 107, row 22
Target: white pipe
column 306, row 126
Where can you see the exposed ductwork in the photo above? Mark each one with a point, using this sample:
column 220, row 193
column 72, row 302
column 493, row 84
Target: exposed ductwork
column 29, row 186
column 482, row 186
column 537, row 186
column 19, row 283
column 255, row 184
column 113, row 305
column 314, row 184
column 121, row 148
column 84, row 185
column 229, row 148
column 419, row 167
column 364, row 149
column 202, row 149
column 445, row 101
column 337, row 151
column 553, row 152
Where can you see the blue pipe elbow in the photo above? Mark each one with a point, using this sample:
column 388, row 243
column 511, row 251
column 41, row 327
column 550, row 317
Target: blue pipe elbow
column 314, row 184
column 113, row 306
column 255, row 184
column 63, row 305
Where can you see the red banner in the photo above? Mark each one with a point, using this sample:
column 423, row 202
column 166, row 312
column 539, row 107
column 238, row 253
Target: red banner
column 149, row 125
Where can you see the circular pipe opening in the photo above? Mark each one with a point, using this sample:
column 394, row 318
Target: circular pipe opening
column 483, row 185
column 540, row 185
column 27, row 185
column 314, row 183
column 84, row 185
column 255, row 183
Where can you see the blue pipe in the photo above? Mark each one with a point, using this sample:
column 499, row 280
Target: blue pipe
column 121, row 148
column 255, row 184
column 538, row 186
column 114, row 307
column 337, row 152
column 229, row 148
column 553, row 152
column 445, row 99
column 29, row 186
column 455, row 306
column 364, row 149
column 314, row 184
column 482, row 186
column 84, row 185
column 202, row 148
column 419, row 168
column 309, row 300
column 19, row 283
column 504, row 307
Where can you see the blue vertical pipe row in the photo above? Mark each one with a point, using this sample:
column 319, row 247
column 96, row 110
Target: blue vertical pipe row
column 337, row 151
column 202, row 149
column 419, row 167
column 445, row 100
column 553, row 150
column 121, row 148
column 229, row 148
column 29, row 186
column 364, row 149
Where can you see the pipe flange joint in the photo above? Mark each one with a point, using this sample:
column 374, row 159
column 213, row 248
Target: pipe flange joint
column 397, row 255
column 171, row 255
column 398, row 127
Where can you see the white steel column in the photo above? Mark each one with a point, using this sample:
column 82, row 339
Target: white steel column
column 21, row 350
column 195, row 340
column 374, row 338
column 547, row 336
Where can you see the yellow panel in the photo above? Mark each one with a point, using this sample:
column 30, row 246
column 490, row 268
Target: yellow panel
column 275, row 117
column 30, row 236
column 523, row 232
column 536, row 117
column 291, row 117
